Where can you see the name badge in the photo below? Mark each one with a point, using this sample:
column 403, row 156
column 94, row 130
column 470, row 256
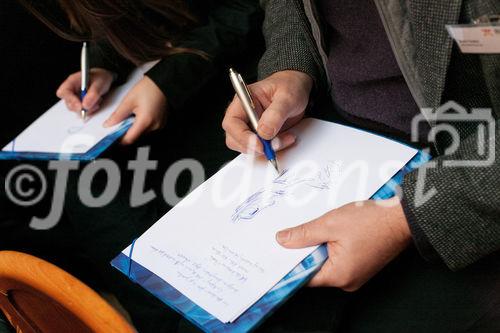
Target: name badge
column 479, row 39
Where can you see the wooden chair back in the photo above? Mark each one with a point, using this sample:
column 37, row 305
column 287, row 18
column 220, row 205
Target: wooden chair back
column 38, row 297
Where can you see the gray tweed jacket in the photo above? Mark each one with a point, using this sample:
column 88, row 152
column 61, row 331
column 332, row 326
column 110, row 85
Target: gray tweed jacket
column 453, row 210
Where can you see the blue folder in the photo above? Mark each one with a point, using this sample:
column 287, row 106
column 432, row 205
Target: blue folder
column 278, row 295
column 90, row 155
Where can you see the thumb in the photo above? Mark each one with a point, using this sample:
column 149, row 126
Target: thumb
column 310, row 234
column 274, row 117
column 324, row 276
column 124, row 110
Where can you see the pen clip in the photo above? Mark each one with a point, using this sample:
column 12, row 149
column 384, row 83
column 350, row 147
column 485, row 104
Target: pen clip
column 249, row 94
column 84, row 67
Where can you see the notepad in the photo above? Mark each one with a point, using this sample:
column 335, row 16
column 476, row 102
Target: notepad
column 62, row 134
column 217, row 248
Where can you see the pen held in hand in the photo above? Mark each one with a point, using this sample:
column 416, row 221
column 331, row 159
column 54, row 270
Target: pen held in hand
column 85, row 71
column 248, row 105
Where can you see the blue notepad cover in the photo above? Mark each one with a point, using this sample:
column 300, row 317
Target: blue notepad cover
column 90, row 155
column 263, row 308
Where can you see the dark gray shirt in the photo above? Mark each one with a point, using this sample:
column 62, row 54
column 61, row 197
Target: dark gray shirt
column 367, row 83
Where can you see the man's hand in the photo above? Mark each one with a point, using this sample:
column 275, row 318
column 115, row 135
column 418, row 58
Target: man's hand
column 362, row 238
column 149, row 105
column 284, row 97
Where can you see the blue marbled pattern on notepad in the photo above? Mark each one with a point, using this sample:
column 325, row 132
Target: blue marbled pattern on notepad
column 256, row 314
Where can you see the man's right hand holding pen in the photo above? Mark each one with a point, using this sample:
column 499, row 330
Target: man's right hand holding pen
column 361, row 237
column 281, row 99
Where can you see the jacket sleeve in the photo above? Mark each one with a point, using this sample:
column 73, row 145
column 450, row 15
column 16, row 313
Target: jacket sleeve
column 103, row 55
column 453, row 211
column 289, row 41
column 224, row 36
column 460, row 223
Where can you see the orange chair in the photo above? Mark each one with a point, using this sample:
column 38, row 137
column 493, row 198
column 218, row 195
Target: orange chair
column 38, row 297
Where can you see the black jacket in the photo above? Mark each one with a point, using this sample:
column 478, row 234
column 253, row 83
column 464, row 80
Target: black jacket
column 226, row 33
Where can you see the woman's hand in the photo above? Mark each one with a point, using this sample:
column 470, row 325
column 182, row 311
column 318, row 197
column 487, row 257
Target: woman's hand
column 284, row 96
column 149, row 105
column 362, row 238
column 70, row 89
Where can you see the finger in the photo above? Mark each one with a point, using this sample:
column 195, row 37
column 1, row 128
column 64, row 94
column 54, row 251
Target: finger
column 72, row 83
column 94, row 109
column 140, row 126
column 233, row 144
column 124, row 110
column 68, row 92
column 325, row 277
column 274, row 117
column 97, row 89
column 73, row 104
column 235, row 124
column 309, row 234
column 283, row 141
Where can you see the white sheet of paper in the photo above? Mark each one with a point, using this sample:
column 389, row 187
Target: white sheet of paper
column 61, row 131
column 218, row 246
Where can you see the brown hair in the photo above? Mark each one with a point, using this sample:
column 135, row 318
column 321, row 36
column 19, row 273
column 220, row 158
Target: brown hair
column 140, row 30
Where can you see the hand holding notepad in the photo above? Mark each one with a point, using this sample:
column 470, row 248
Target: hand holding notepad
column 61, row 134
column 218, row 247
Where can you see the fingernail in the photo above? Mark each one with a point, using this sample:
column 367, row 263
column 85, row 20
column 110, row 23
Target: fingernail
column 283, row 236
column 255, row 145
column 289, row 140
column 266, row 130
column 280, row 143
column 276, row 144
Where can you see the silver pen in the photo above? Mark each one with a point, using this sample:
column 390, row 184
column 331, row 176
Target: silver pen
column 248, row 105
column 85, row 71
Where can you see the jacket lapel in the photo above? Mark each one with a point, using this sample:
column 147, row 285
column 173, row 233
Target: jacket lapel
column 416, row 29
column 433, row 45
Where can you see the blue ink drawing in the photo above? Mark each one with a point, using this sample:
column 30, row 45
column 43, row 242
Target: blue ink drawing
column 285, row 185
